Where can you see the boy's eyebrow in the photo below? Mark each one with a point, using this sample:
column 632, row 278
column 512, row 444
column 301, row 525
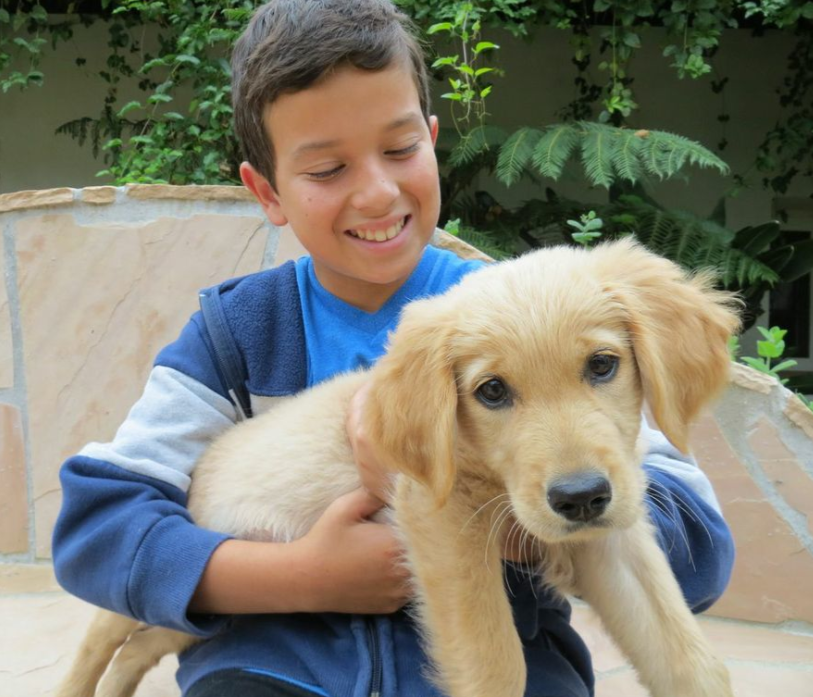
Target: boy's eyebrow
column 406, row 120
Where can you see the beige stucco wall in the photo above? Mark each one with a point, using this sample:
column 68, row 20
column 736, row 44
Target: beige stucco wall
column 96, row 281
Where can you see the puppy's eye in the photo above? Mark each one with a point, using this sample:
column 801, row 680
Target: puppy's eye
column 494, row 394
column 602, row 368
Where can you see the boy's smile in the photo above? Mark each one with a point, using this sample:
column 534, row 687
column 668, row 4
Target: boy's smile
column 356, row 178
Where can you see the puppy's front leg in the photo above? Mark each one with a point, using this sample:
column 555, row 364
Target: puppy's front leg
column 462, row 604
column 626, row 578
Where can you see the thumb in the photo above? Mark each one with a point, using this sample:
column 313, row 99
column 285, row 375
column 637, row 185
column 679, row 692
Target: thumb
column 358, row 504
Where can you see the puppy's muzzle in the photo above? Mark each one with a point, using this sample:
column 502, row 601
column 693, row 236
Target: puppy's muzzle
column 580, row 498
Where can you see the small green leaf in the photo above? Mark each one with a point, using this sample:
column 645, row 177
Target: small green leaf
column 756, row 363
column 441, row 26
column 769, row 349
column 159, row 98
column 39, row 14
column 130, row 106
column 484, row 46
column 191, row 60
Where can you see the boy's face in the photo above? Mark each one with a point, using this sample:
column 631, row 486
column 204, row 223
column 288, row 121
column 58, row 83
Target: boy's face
column 356, row 178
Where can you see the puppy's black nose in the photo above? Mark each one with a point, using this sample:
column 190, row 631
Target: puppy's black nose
column 582, row 497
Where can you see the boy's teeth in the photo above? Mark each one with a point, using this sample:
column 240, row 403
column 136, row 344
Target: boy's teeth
column 380, row 235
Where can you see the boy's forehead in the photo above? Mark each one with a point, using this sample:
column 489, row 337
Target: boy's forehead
column 348, row 103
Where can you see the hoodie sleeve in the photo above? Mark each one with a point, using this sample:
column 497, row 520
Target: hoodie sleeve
column 688, row 520
column 124, row 539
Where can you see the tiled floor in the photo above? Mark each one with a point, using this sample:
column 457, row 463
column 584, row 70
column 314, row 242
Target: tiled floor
column 41, row 626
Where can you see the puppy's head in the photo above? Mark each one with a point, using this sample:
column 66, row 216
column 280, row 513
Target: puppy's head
column 530, row 375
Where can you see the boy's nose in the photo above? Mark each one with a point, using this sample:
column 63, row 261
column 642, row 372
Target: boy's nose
column 375, row 193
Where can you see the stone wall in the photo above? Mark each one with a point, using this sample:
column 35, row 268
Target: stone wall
column 97, row 280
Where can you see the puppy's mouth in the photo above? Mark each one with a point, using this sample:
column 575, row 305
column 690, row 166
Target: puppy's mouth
column 380, row 235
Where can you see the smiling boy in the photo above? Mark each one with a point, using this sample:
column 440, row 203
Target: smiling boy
column 332, row 109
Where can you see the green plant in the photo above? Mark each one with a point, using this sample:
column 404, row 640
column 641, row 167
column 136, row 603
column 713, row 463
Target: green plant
column 588, row 228
column 769, row 349
column 469, row 92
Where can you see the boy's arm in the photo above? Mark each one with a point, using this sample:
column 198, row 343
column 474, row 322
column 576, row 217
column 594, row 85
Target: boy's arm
column 124, row 539
column 690, row 526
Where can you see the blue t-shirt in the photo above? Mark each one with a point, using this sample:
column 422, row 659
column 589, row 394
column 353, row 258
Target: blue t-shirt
column 340, row 337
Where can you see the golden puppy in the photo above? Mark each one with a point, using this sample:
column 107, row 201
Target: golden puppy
column 515, row 389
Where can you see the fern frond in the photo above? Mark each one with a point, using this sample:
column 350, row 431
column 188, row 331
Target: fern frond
column 477, row 141
column 515, row 154
column 626, row 156
column 695, row 243
column 597, row 156
column 554, row 149
column 485, row 242
column 665, row 154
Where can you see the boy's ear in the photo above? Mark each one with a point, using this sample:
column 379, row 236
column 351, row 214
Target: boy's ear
column 258, row 185
column 433, row 129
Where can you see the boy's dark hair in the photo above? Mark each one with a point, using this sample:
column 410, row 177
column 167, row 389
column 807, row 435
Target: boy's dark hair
column 289, row 45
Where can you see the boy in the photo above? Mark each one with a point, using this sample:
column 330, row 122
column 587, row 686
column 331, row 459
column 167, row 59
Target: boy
column 332, row 109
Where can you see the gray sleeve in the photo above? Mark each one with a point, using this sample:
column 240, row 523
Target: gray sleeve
column 662, row 455
column 167, row 429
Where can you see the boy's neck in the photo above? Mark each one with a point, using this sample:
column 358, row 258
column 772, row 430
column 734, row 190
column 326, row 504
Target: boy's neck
column 366, row 296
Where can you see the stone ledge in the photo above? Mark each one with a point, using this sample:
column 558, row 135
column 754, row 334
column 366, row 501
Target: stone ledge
column 752, row 379
column 188, row 193
column 99, row 195
column 799, row 414
column 23, row 200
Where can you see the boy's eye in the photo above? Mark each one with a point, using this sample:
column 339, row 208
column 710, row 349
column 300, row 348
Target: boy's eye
column 327, row 174
column 402, row 152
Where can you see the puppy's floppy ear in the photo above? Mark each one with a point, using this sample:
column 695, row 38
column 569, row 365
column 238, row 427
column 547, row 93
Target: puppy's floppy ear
column 680, row 326
column 410, row 414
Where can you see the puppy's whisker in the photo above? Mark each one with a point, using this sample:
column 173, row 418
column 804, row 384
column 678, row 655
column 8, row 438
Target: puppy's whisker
column 479, row 510
column 681, row 503
column 660, row 502
column 495, row 528
column 678, row 524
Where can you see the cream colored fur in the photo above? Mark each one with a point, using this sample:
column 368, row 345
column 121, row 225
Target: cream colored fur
column 462, row 468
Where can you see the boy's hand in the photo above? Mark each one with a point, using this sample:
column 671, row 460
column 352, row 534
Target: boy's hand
column 352, row 564
column 374, row 477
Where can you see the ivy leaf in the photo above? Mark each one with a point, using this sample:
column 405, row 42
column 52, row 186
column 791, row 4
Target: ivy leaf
column 440, row 26
column 39, row 14
column 484, row 46
column 159, row 98
column 190, row 60
column 130, row 106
